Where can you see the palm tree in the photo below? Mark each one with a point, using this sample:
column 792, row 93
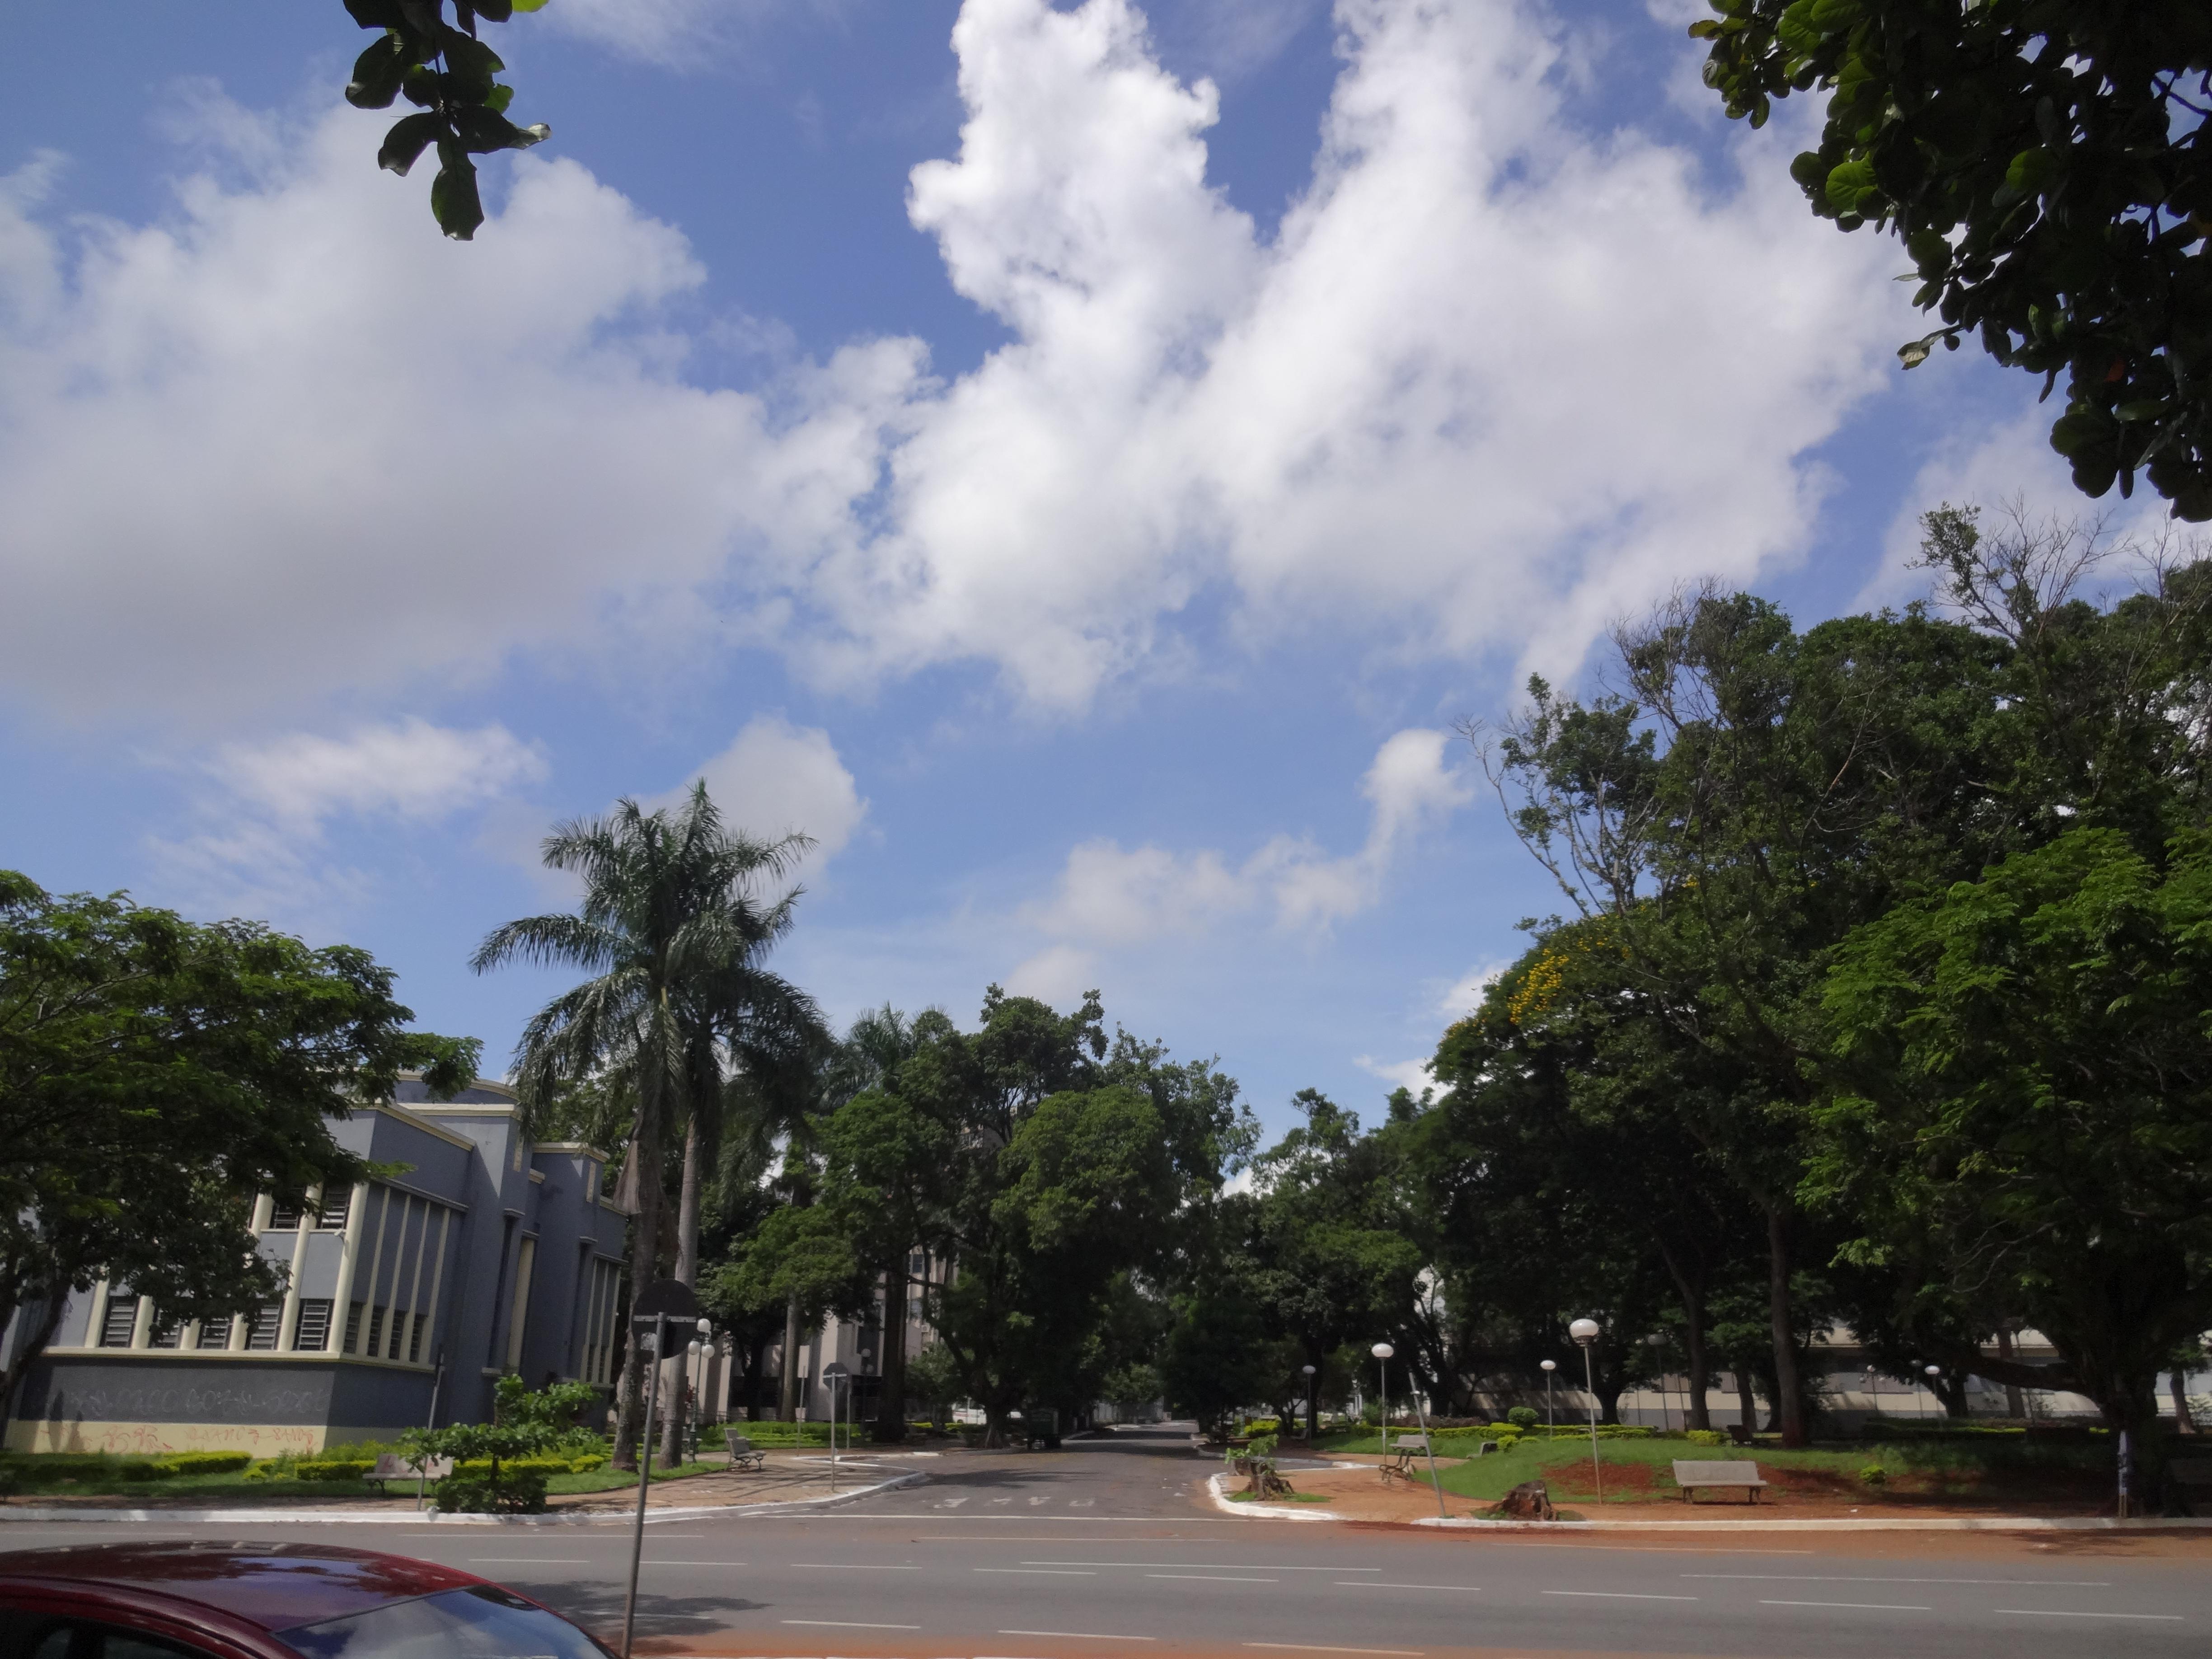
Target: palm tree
column 672, row 936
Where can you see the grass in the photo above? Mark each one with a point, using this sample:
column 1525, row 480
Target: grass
column 236, row 1488
column 1959, row 1467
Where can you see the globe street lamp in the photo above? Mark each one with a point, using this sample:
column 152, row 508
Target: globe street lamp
column 1313, row 1404
column 1584, row 1332
column 1550, row 1365
column 1383, row 1351
column 1935, row 1372
column 1657, row 1343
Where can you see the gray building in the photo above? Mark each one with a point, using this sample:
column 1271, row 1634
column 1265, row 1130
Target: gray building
column 486, row 1254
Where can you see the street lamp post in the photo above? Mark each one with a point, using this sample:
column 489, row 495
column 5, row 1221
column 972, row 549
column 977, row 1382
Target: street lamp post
column 1657, row 1344
column 1550, row 1365
column 1933, row 1373
column 1383, row 1351
column 1584, row 1332
column 1313, row 1405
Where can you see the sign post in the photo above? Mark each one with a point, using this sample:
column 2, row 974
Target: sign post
column 663, row 1299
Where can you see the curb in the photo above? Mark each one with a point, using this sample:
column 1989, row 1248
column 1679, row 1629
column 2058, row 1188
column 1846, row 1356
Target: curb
column 419, row 1517
column 1965, row 1523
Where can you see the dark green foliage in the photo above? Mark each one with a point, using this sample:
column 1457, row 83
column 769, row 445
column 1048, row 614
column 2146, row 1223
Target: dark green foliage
column 449, row 74
column 509, row 1490
column 2045, row 164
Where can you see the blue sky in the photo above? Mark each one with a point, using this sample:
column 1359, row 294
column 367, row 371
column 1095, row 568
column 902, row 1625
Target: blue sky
column 1078, row 461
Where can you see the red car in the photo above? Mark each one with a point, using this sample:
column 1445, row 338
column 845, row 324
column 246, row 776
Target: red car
column 264, row 1601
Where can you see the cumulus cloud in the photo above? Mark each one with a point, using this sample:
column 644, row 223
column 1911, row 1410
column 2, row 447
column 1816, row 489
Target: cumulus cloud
column 1461, row 996
column 266, row 807
column 1497, row 378
column 1108, row 896
column 776, row 778
column 1411, row 1074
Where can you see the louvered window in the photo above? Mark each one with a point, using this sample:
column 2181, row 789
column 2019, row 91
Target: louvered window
column 215, row 1332
column 168, row 1333
column 268, row 1325
column 353, row 1326
column 335, row 1206
column 284, row 1218
column 122, row 1316
column 313, row 1332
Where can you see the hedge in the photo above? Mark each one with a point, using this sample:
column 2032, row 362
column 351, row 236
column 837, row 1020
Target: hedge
column 208, row 1463
column 521, row 1491
column 332, row 1468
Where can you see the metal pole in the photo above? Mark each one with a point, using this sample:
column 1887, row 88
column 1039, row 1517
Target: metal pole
column 1429, row 1441
column 1590, row 1381
column 423, row 1469
column 644, row 1478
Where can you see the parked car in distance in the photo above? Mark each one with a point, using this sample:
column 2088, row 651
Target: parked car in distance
column 194, row 1601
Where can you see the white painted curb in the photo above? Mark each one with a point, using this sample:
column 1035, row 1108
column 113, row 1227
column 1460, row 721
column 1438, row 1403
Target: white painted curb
column 1216, row 1484
column 1955, row 1523
column 418, row 1517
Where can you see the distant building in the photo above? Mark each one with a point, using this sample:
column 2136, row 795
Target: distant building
column 487, row 1253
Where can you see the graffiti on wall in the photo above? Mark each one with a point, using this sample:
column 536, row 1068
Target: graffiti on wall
column 150, row 1439
column 255, row 1401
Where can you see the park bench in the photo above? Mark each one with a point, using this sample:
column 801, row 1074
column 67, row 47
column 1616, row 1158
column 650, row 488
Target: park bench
column 1690, row 1474
column 1403, row 1451
column 2191, row 1480
column 391, row 1466
column 1740, row 1434
column 742, row 1455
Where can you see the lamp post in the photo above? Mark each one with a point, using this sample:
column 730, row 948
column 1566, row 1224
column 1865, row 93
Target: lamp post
column 1584, row 1332
column 1657, row 1344
column 1383, row 1351
column 1313, row 1404
column 1550, row 1365
column 1933, row 1373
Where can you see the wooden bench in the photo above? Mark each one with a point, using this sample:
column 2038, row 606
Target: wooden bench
column 391, row 1466
column 1690, row 1474
column 742, row 1454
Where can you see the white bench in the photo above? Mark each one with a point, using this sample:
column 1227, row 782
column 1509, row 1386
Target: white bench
column 1403, row 1451
column 1691, row 1473
column 742, row 1453
column 391, row 1466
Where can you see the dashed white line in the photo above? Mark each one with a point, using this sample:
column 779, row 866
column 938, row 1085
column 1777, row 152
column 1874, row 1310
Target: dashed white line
column 527, row 1560
column 1221, row 1566
column 1080, row 1635
column 1371, row 1584
column 2065, row 1613
column 1832, row 1578
column 1864, row 1606
column 1214, row 1577
column 857, row 1566
column 1040, row 1573
column 1312, row 1647
column 846, row 1624
column 1621, row 1596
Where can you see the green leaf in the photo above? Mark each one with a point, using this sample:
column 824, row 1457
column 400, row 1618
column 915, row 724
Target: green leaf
column 529, row 5
column 420, row 87
column 500, row 99
column 1850, row 188
column 409, row 138
column 377, row 14
column 378, row 72
column 2147, row 409
column 483, row 131
column 2031, row 170
column 2080, row 430
column 453, row 198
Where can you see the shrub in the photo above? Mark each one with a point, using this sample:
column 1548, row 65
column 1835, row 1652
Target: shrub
column 1522, row 1417
column 1874, row 1475
column 142, row 1469
column 207, row 1463
column 587, row 1463
column 470, row 1492
column 332, row 1468
column 1705, row 1437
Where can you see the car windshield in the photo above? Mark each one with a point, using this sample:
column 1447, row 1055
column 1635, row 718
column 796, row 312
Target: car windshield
column 480, row 1622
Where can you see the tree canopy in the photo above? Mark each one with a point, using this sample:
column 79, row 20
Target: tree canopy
column 2045, row 164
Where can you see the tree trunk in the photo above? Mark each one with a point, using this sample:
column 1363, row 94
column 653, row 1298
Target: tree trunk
column 41, row 1333
column 1746, row 1403
column 1790, row 1398
column 891, row 1404
column 644, row 1149
column 2015, row 1401
column 2179, row 1385
column 1313, row 1401
column 1693, row 1298
column 787, row 1404
column 687, row 1272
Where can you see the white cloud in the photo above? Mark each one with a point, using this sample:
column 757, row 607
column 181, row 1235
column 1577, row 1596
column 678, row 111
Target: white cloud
column 1498, row 380
column 673, row 34
column 266, row 817
column 1464, row 993
column 1059, row 974
column 1111, row 896
column 1398, row 1073
column 776, row 778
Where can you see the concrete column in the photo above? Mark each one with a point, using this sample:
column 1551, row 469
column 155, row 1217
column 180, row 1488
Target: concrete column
column 141, row 1327
column 348, row 1253
column 375, row 1271
column 289, row 1327
column 99, row 1314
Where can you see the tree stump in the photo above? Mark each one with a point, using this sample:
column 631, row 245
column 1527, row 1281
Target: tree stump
column 1529, row 1501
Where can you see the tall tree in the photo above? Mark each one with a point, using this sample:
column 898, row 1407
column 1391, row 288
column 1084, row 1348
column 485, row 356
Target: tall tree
column 2046, row 164
column 154, row 1075
column 672, row 935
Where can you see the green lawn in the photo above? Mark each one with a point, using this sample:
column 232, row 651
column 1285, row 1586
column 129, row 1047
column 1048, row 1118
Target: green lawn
column 1644, row 1465
column 236, row 1488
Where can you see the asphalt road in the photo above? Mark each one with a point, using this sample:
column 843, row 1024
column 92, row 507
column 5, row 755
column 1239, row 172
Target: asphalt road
column 1100, row 1549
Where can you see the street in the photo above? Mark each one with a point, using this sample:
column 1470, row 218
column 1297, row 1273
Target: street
column 1102, row 1547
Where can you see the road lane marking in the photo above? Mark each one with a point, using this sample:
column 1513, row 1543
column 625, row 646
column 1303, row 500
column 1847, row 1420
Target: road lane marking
column 1040, row 1572
column 1822, row 1578
column 1214, row 1577
column 1080, row 1635
column 1370, row 1583
column 1310, row 1647
column 695, row 1564
column 2064, row 1612
column 1622, row 1596
column 1231, row 1566
column 856, row 1566
column 529, row 1560
column 1865, row 1607
column 846, row 1623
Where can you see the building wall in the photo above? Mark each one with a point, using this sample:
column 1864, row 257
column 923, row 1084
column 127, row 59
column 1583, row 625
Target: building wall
column 404, row 1301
